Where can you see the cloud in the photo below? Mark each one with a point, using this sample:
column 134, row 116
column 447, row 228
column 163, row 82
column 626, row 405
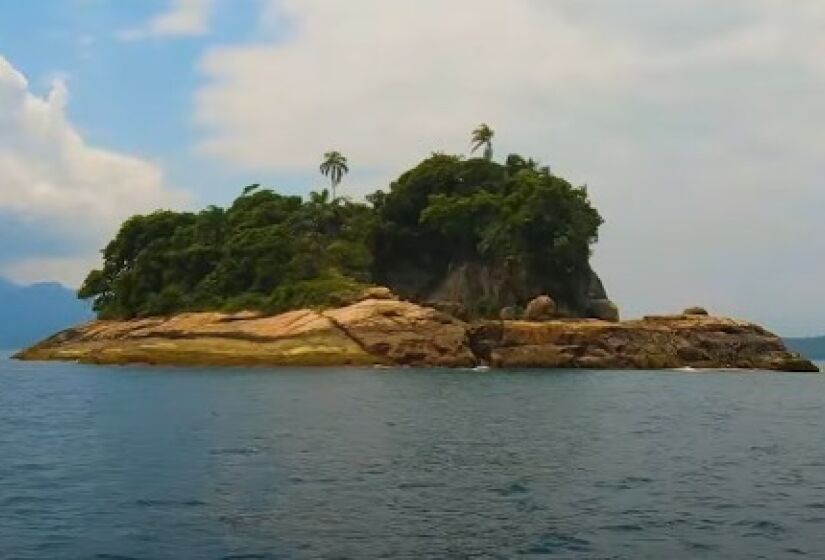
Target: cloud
column 184, row 18
column 71, row 271
column 697, row 125
column 388, row 81
column 55, row 184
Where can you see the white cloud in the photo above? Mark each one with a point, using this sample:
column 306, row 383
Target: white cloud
column 184, row 18
column 390, row 81
column 697, row 125
column 54, row 182
column 71, row 271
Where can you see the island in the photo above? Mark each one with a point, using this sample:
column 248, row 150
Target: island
column 383, row 331
column 463, row 262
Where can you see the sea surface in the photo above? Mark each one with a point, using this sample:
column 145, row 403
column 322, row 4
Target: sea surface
column 153, row 463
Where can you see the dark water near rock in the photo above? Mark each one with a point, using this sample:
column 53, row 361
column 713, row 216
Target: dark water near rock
column 130, row 462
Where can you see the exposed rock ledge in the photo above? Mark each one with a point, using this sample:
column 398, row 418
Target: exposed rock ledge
column 389, row 332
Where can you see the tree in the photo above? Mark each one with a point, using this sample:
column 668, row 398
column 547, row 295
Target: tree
column 249, row 188
column 334, row 167
column 483, row 137
column 273, row 252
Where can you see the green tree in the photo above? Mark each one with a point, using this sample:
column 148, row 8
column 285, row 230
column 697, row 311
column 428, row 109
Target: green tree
column 273, row 252
column 335, row 167
column 483, row 137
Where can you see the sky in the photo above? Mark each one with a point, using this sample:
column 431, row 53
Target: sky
column 697, row 125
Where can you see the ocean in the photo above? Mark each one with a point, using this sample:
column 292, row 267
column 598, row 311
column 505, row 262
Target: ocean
column 171, row 463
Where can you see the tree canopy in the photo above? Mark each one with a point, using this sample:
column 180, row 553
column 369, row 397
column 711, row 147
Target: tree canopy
column 274, row 252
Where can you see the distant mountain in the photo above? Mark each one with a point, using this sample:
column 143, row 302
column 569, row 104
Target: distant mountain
column 30, row 313
column 812, row 348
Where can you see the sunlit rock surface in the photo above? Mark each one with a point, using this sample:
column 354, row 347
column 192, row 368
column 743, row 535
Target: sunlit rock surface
column 399, row 333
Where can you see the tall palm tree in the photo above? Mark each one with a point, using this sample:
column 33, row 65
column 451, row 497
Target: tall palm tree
column 483, row 136
column 334, row 167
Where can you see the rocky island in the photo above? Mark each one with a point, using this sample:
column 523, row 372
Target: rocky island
column 462, row 263
column 388, row 332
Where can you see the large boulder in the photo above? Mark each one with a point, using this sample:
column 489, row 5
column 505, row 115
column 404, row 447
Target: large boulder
column 542, row 308
column 377, row 292
column 508, row 313
column 403, row 333
column 605, row 310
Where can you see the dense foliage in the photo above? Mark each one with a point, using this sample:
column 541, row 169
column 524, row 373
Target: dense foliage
column 273, row 252
column 448, row 210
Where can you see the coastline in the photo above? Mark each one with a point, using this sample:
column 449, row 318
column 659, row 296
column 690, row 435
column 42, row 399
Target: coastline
column 388, row 332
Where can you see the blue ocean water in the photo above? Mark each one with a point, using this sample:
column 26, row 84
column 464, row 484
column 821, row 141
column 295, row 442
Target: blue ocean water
column 150, row 463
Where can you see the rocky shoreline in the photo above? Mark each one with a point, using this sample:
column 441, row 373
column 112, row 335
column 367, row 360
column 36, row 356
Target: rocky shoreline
column 388, row 332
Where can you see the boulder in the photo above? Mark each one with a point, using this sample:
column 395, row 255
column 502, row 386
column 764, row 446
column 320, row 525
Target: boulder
column 605, row 310
column 403, row 333
column 377, row 292
column 508, row 314
column 695, row 311
column 542, row 308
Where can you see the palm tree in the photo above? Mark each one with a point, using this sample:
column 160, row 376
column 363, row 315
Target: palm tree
column 483, row 136
column 334, row 167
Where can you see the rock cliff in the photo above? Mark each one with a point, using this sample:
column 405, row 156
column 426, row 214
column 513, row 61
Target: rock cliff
column 395, row 333
column 474, row 289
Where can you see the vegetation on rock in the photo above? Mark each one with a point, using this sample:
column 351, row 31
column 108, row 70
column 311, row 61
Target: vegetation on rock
column 273, row 252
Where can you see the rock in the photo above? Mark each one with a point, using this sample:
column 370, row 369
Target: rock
column 451, row 308
column 394, row 333
column 605, row 310
column 377, row 292
column 508, row 314
column 497, row 285
column 542, row 308
column 370, row 332
column 794, row 363
column 403, row 333
column 695, row 311
column 242, row 316
column 662, row 342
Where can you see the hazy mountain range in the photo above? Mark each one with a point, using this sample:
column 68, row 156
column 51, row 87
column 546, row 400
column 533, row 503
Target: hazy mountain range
column 30, row 313
column 813, row 348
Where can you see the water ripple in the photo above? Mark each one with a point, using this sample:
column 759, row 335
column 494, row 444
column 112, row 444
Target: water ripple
column 138, row 463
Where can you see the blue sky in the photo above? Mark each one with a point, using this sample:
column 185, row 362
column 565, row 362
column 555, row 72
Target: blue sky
column 695, row 123
column 132, row 96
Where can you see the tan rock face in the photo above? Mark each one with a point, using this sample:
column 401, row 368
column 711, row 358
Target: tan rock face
column 403, row 333
column 371, row 332
column 391, row 332
column 652, row 343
